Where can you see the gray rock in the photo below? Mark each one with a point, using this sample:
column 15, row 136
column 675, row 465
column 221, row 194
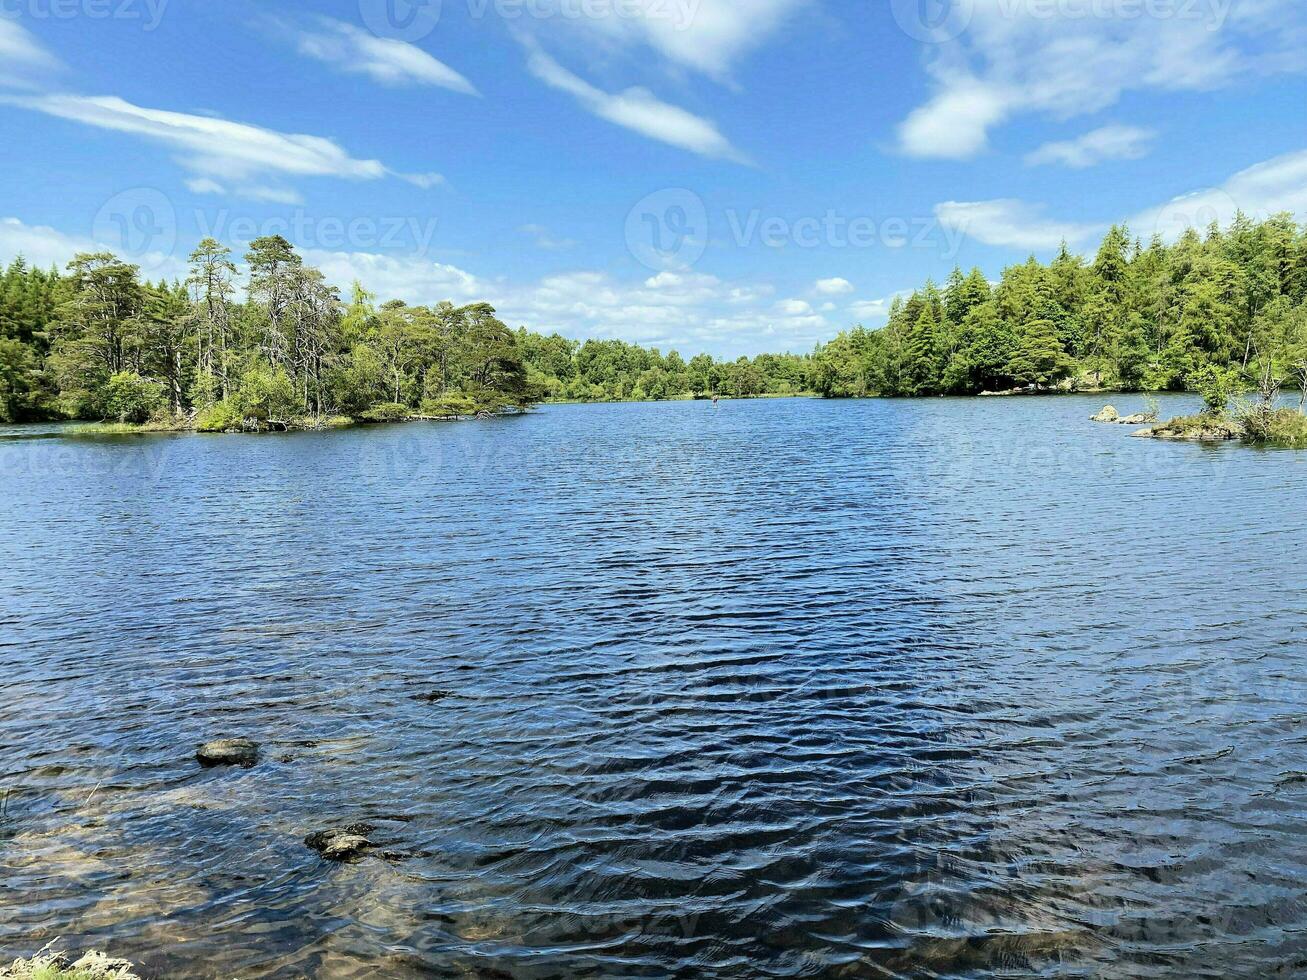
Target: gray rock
column 1108, row 414
column 228, row 752
column 1137, row 420
column 343, row 844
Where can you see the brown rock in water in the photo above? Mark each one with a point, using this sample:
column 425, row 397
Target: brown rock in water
column 228, row 752
column 1108, row 414
column 343, row 844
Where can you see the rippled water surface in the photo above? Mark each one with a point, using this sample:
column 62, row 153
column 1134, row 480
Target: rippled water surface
column 784, row 688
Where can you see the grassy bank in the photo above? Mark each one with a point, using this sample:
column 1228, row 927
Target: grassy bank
column 59, row 966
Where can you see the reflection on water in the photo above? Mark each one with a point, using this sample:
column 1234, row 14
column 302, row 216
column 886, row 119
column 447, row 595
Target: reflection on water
column 937, row 688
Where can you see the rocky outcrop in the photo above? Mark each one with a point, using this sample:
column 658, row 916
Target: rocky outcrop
column 1108, row 414
column 1195, row 428
column 342, row 844
column 228, row 752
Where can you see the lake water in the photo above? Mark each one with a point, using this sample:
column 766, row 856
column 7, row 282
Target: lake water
column 777, row 689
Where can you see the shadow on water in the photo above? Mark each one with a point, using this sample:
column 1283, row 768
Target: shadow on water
column 772, row 689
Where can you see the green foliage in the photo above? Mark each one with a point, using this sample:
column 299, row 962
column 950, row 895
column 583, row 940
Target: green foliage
column 221, row 416
column 450, row 406
column 1140, row 318
column 386, row 412
column 1283, row 428
column 1215, row 385
column 266, row 393
column 127, row 397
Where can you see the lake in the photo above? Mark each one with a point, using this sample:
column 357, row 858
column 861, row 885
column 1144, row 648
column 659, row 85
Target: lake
column 780, row 688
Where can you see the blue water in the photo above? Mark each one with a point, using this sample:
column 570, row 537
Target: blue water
column 958, row 688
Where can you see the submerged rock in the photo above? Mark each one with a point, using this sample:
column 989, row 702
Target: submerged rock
column 343, row 844
column 228, row 752
column 1108, row 414
column 433, row 697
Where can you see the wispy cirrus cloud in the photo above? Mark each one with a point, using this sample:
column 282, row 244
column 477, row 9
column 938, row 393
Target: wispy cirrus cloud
column 636, row 109
column 22, row 56
column 704, row 36
column 1093, row 148
column 1011, row 224
column 1017, row 58
column 216, row 151
column 384, row 60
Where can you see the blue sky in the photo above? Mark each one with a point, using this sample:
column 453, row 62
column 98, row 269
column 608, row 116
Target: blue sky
column 699, row 174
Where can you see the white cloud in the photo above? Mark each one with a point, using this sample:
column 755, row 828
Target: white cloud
column 1070, row 60
column 1267, row 188
column 636, row 109
column 876, row 311
column 1010, row 224
column 204, row 185
column 215, row 149
column 410, row 278
column 1264, row 189
column 793, row 307
column 425, row 181
column 385, row 60
column 706, row 36
column 955, row 124
column 41, row 246
column 44, row 246
column 1107, row 143
column 834, row 287
column 545, row 239
column 21, row 55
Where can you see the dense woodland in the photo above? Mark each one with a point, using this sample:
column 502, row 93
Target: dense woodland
column 1138, row 318
column 277, row 345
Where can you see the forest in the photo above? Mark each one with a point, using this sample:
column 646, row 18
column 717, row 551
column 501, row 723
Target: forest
column 274, row 345
column 1229, row 305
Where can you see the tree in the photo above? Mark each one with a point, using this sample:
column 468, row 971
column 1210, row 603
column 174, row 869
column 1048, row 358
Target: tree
column 1039, row 359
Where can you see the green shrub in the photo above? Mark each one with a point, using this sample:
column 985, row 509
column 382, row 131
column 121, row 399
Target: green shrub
column 220, row 417
column 386, row 412
column 1215, row 385
column 127, row 397
column 267, row 393
column 1283, row 427
column 449, row 406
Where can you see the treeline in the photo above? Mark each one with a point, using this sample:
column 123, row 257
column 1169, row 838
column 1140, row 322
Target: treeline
column 97, row 342
column 1152, row 317
column 612, row 370
column 278, row 347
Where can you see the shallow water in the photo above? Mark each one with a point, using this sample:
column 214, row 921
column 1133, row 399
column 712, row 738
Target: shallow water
column 781, row 688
